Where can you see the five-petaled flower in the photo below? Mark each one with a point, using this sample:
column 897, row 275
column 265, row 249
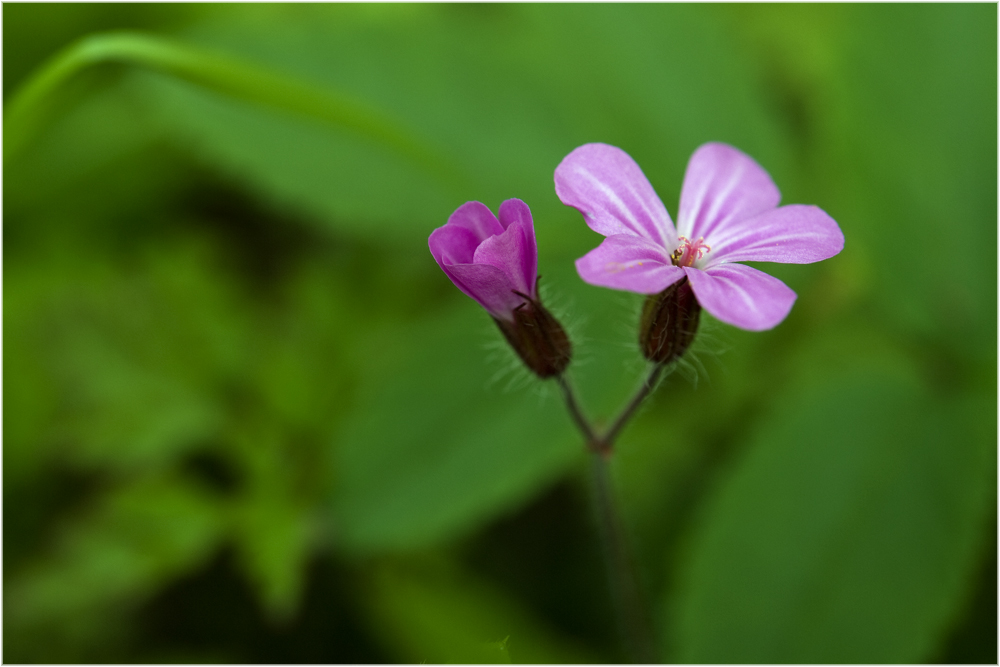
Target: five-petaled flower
column 728, row 213
column 496, row 263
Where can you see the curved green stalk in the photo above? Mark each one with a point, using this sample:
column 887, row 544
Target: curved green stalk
column 23, row 114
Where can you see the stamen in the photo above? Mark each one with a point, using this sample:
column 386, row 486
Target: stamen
column 688, row 253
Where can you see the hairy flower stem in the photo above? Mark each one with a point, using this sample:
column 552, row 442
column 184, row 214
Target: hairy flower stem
column 574, row 410
column 633, row 620
column 604, row 444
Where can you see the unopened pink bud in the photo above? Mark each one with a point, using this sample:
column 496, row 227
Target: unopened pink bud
column 495, row 261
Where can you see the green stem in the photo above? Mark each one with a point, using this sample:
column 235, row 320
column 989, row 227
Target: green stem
column 645, row 390
column 604, row 444
column 576, row 413
column 24, row 113
column 634, row 623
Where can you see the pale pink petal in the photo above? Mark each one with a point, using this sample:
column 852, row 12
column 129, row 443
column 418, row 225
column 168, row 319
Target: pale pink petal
column 630, row 263
column 722, row 186
column 796, row 234
column 742, row 296
column 488, row 285
column 612, row 193
column 515, row 211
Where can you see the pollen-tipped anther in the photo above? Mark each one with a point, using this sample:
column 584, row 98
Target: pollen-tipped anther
column 687, row 253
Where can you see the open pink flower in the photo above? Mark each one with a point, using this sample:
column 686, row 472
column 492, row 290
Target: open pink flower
column 728, row 213
column 490, row 260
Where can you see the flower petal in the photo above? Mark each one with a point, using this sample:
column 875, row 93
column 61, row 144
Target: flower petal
column 795, row 234
column 515, row 211
column 488, row 285
column 477, row 218
column 453, row 244
column 612, row 193
column 512, row 253
column 722, row 186
column 630, row 263
column 742, row 296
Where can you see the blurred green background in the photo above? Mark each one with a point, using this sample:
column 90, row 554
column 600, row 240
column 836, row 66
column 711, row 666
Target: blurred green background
column 247, row 418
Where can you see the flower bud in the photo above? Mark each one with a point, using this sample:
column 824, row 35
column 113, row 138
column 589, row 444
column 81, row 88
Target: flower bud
column 669, row 322
column 538, row 338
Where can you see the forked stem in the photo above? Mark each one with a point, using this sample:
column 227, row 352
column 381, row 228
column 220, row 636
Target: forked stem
column 634, row 622
column 604, row 444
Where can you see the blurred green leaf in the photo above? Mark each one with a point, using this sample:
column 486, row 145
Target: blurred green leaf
column 939, row 178
column 893, row 111
column 845, row 534
column 119, row 553
column 30, row 105
column 423, row 456
column 153, row 371
column 275, row 522
column 144, row 383
column 438, row 615
column 275, row 537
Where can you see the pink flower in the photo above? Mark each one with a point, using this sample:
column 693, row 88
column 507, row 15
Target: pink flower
column 728, row 213
column 496, row 263
column 490, row 260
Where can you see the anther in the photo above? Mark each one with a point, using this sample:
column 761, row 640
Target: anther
column 688, row 253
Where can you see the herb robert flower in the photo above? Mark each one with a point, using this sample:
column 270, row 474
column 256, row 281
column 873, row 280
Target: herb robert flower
column 728, row 213
column 495, row 262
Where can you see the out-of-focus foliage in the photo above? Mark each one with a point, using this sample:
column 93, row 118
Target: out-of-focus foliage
column 884, row 495
column 246, row 418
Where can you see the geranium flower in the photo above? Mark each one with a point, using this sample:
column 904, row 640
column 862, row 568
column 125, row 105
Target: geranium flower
column 490, row 260
column 728, row 213
column 495, row 262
